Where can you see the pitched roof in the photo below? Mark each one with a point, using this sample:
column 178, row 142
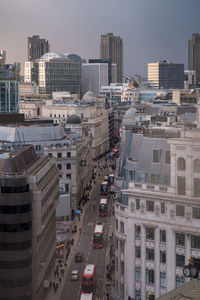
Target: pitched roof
column 188, row 291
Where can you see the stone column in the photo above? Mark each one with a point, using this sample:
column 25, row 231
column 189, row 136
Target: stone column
column 170, row 258
column 143, row 262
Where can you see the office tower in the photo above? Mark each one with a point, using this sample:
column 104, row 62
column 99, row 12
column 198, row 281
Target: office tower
column 55, row 72
column 2, row 59
column 112, row 47
column 194, row 55
column 37, row 47
column 94, row 76
column 9, row 96
column 102, row 61
column 28, row 198
column 166, row 75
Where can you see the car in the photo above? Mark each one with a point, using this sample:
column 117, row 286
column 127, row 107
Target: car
column 78, row 257
column 74, row 275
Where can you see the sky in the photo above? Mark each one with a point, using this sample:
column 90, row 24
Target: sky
column 151, row 30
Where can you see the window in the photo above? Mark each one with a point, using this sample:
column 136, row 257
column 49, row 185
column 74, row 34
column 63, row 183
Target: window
column 137, row 203
column 122, row 227
column 180, row 239
column 196, row 166
column 68, row 154
column 122, row 290
column 166, row 179
column 137, row 251
column 180, row 211
column 68, row 176
column 162, row 208
column 162, row 279
column 195, row 241
column 162, row 236
column 180, row 280
column 121, row 246
column 162, row 257
column 196, row 187
column 137, row 231
column 131, row 175
column 122, row 268
column 153, row 178
column 141, row 177
column 59, row 155
column 149, row 205
column 196, row 213
column 180, row 260
column 137, row 295
column 167, row 157
column 116, row 224
column 149, row 233
column 59, row 166
column 149, row 254
column 149, row 276
column 137, row 273
column 156, row 155
column 181, row 164
column 68, row 166
column 181, row 185
column 50, row 154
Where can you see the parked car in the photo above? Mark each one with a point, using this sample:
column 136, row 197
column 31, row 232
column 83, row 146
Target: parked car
column 74, row 275
column 78, row 257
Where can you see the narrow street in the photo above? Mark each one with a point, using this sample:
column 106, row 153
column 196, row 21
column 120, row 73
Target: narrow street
column 72, row 289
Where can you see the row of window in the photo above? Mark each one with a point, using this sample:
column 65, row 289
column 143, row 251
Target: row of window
column 15, row 189
column 18, row 209
column 60, row 154
column 60, row 166
column 181, row 164
column 180, row 280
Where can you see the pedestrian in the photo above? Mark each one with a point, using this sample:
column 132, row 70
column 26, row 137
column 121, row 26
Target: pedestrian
column 80, row 229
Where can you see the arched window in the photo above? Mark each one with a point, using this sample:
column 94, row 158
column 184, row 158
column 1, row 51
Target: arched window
column 181, row 164
column 196, row 166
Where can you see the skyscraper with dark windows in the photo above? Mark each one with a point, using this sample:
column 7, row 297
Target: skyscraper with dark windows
column 112, row 47
column 37, row 47
column 194, row 55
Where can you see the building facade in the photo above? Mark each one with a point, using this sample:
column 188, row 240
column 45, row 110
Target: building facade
column 166, row 75
column 9, row 96
column 194, row 55
column 112, row 47
column 37, row 47
column 29, row 195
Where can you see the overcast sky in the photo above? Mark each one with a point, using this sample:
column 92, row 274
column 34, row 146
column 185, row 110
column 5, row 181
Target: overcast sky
column 151, row 29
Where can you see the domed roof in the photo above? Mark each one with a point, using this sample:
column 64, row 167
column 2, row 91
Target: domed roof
column 73, row 119
column 73, row 57
column 130, row 112
column 89, row 96
column 52, row 55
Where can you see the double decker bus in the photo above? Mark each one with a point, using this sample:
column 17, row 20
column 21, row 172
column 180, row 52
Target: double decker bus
column 104, row 188
column 88, row 279
column 103, row 208
column 111, row 178
column 98, row 236
column 88, row 296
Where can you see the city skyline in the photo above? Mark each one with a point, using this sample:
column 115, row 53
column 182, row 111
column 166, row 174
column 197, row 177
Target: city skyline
column 148, row 28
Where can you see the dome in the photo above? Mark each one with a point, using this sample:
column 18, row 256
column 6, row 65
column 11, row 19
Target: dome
column 73, row 57
column 89, row 97
column 73, row 119
column 130, row 112
column 52, row 55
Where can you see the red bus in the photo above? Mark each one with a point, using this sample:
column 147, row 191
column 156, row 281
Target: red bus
column 88, row 279
column 88, row 296
column 104, row 188
column 103, row 207
column 98, row 236
column 111, row 178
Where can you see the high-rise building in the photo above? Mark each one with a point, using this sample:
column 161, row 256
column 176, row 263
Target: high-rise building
column 94, row 76
column 55, row 72
column 166, row 75
column 111, row 68
column 112, row 47
column 194, row 55
column 2, row 59
column 28, row 199
column 37, row 47
column 9, row 96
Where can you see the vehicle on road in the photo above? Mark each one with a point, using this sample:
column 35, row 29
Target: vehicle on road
column 86, row 296
column 105, row 178
column 111, row 178
column 103, row 208
column 104, row 188
column 98, row 236
column 111, row 156
column 74, row 275
column 88, row 279
column 78, row 257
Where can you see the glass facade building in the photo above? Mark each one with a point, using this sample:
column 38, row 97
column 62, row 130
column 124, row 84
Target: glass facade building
column 9, row 96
